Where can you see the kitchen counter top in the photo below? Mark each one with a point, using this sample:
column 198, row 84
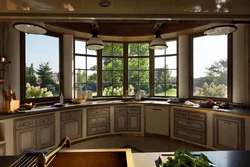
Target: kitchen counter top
column 219, row 158
column 44, row 109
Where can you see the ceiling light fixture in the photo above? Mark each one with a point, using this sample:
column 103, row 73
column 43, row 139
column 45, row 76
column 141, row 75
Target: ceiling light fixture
column 30, row 28
column 94, row 43
column 222, row 29
column 158, row 43
column 104, row 3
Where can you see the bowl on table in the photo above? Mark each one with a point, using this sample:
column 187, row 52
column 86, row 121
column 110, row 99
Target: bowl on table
column 78, row 101
column 30, row 105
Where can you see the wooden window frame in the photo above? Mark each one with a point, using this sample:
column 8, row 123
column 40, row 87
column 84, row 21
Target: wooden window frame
column 23, row 72
column 138, row 57
column 177, row 68
column 84, row 55
column 101, row 70
column 229, row 65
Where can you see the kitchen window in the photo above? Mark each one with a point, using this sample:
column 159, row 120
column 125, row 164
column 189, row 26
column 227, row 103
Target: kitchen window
column 211, row 70
column 85, row 67
column 41, row 66
column 138, row 68
column 165, row 70
column 112, row 69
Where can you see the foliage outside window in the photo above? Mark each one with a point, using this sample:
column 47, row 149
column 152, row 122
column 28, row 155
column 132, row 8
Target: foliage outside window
column 85, row 67
column 165, row 70
column 210, row 66
column 138, row 67
column 112, row 69
column 42, row 59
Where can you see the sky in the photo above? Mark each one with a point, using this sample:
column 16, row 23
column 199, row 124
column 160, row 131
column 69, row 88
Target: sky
column 207, row 49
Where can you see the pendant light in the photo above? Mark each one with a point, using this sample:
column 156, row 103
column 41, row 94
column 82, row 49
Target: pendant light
column 158, row 43
column 94, row 43
column 221, row 29
column 30, row 28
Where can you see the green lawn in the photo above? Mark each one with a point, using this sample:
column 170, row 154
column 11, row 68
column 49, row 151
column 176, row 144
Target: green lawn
column 169, row 92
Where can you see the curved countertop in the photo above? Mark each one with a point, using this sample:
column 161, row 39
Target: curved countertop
column 69, row 106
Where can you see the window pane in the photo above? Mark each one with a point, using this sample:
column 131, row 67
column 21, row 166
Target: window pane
column 92, row 76
column 42, row 66
column 210, row 68
column 91, row 52
column 159, row 76
column 145, row 87
column 144, row 49
column 171, row 89
column 132, row 64
column 171, row 62
column 80, row 76
column 117, row 77
column 92, row 63
column 133, row 88
column 107, row 64
column 117, row 64
column 107, row 50
column 171, row 76
column 159, row 52
column 144, row 64
column 92, row 86
column 160, row 90
column 172, row 47
column 112, row 90
column 133, row 49
column 160, row 63
column 80, row 62
column 117, row 49
column 80, row 47
column 133, row 76
column 144, row 76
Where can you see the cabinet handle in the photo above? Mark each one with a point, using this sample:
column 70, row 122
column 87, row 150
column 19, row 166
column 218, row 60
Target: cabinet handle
column 188, row 123
column 227, row 122
column 156, row 109
column 189, row 134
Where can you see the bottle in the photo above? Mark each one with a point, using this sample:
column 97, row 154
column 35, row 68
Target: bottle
column 61, row 97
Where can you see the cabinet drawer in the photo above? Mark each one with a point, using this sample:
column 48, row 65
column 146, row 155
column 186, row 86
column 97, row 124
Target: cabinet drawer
column 25, row 123
column 134, row 110
column 71, row 114
column 98, row 120
column 181, row 113
column 197, row 116
column 46, row 119
column 189, row 124
column 120, row 110
column 92, row 130
column 98, row 111
column 190, row 135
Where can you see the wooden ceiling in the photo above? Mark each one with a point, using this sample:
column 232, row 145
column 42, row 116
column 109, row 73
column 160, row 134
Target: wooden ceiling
column 128, row 29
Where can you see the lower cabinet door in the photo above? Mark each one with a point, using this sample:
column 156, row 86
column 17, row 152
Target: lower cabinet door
column 2, row 150
column 190, row 135
column 71, row 128
column 45, row 136
column 134, row 122
column 121, row 123
column 25, row 140
column 228, row 132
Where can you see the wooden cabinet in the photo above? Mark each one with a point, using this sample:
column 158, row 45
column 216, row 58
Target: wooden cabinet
column 98, row 120
column 228, row 132
column 37, row 132
column 157, row 120
column 2, row 150
column 190, row 125
column 71, row 124
column 127, row 118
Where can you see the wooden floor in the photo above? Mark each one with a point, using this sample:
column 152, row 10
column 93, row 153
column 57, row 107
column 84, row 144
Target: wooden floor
column 145, row 144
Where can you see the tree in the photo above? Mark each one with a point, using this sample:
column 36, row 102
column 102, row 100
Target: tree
column 30, row 75
column 211, row 90
column 44, row 72
column 214, row 84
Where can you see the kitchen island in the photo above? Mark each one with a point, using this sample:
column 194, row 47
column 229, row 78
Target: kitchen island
column 219, row 158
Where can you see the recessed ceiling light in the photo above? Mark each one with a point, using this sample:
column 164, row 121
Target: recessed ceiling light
column 105, row 3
